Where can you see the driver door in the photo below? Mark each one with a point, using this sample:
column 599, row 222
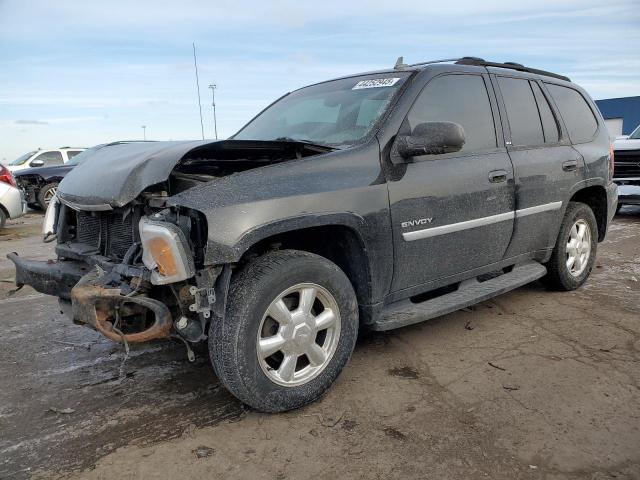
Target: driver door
column 453, row 212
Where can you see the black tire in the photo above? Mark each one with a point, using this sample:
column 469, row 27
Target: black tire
column 44, row 193
column 618, row 207
column 3, row 218
column 233, row 340
column 34, row 206
column 558, row 275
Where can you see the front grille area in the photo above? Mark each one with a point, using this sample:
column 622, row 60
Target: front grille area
column 112, row 233
column 627, row 164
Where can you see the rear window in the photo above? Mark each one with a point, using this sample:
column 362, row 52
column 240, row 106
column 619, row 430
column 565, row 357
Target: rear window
column 576, row 113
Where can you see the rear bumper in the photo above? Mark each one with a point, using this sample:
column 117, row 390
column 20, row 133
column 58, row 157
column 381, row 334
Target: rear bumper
column 612, row 201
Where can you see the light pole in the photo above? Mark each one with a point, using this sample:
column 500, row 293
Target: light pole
column 144, row 132
column 213, row 87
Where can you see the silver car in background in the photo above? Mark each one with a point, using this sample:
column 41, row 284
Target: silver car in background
column 12, row 204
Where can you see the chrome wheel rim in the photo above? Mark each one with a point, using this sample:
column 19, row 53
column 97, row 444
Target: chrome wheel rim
column 578, row 247
column 48, row 195
column 298, row 334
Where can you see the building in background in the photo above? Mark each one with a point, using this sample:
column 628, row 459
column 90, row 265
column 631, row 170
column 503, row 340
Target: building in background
column 622, row 115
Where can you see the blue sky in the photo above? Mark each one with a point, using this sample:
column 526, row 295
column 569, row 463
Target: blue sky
column 81, row 72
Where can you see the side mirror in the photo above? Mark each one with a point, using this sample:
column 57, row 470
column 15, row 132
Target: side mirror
column 37, row 163
column 431, row 138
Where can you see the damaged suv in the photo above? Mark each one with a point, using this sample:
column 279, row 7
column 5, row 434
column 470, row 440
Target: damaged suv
column 372, row 201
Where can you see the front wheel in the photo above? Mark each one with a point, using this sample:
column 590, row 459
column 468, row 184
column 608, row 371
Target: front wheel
column 575, row 251
column 46, row 194
column 290, row 327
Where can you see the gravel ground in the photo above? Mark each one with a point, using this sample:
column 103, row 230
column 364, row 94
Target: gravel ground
column 532, row 384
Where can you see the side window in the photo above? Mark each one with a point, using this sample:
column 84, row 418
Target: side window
column 50, row 158
column 72, row 153
column 576, row 113
column 549, row 124
column 522, row 111
column 462, row 99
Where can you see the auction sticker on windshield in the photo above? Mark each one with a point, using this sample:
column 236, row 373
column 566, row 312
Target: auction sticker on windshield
column 375, row 83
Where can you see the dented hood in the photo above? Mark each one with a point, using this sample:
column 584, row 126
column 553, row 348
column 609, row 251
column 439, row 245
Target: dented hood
column 113, row 176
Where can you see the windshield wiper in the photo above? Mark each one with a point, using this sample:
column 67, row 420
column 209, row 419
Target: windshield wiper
column 306, row 142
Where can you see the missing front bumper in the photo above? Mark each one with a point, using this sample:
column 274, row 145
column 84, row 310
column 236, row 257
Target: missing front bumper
column 98, row 307
column 92, row 303
column 51, row 277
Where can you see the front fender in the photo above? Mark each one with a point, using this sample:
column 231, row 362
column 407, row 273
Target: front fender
column 219, row 253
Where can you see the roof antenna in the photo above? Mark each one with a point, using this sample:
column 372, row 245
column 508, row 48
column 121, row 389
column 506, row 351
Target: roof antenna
column 399, row 64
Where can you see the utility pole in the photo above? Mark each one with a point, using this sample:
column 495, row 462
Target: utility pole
column 195, row 64
column 144, row 132
column 213, row 87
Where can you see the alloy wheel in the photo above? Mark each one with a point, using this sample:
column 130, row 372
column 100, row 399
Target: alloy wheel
column 578, row 247
column 298, row 334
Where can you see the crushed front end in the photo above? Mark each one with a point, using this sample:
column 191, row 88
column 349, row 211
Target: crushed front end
column 129, row 273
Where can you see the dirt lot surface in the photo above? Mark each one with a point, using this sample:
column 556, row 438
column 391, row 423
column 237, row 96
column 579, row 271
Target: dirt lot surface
column 532, row 385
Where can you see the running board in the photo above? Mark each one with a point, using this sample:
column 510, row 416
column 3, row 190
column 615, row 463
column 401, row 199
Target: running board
column 469, row 292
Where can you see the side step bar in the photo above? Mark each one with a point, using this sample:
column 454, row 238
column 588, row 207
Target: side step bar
column 469, row 292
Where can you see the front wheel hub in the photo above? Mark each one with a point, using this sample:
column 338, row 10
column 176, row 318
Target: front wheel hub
column 298, row 334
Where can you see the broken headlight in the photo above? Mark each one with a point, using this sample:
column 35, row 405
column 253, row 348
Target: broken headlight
column 165, row 252
column 49, row 224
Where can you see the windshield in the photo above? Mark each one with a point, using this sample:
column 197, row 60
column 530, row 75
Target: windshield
column 636, row 133
column 339, row 112
column 22, row 159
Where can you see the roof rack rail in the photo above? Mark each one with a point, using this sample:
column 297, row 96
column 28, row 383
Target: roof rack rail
column 481, row 62
column 511, row 65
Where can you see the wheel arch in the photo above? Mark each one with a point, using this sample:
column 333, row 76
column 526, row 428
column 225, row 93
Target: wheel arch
column 340, row 243
column 595, row 196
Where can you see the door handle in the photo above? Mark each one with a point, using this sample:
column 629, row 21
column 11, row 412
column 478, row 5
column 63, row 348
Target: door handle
column 570, row 166
column 498, row 176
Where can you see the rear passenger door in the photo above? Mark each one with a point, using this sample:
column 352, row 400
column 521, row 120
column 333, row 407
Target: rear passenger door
column 546, row 166
column 453, row 212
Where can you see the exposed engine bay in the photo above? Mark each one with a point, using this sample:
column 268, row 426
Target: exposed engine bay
column 130, row 265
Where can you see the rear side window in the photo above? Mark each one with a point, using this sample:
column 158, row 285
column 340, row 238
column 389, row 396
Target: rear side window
column 549, row 124
column 462, row 99
column 50, row 158
column 72, row 153
column 576, row 113
column 522, row 111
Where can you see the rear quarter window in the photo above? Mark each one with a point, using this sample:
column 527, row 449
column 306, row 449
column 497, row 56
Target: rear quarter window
column 576, row 113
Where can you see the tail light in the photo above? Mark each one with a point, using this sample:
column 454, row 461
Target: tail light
column 612, row 164
column 6, row 176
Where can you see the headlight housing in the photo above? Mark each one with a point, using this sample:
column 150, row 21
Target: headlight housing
column 50, row 217
column 165, row 252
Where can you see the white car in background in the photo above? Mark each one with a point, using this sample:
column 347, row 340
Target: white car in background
column 627, row 168
column 12, row 203
column 44, row 158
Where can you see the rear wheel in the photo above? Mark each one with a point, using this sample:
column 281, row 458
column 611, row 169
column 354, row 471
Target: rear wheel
column 46, row 194
column 575, row 251
column 290, row 327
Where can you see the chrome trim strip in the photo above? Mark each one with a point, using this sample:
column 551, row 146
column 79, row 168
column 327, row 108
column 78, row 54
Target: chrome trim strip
column 479, row 222
column 523, row 212
column 456, row 227
column 86, row 208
